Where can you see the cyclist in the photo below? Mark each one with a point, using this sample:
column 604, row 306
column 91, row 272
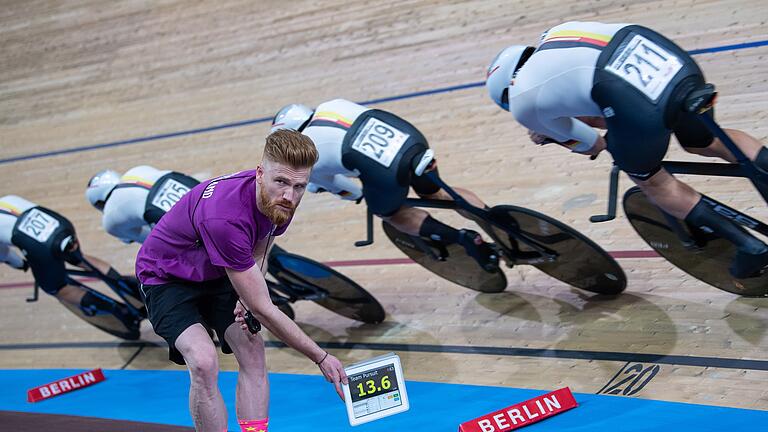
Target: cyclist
column 633, row 82
column 388, row 155
column 47, row 240
column 134, row 202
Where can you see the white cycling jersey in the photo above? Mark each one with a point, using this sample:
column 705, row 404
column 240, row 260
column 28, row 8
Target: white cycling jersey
column 327, row 128
column 554, row 86
column 124, row 210
column 11, row 207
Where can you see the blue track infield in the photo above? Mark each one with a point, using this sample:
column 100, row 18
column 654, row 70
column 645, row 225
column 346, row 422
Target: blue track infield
column 305, row 402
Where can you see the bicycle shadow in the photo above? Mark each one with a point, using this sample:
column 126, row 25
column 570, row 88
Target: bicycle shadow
column 748, row 318
column 363, row 341
column 511, row 304
column 576, row 320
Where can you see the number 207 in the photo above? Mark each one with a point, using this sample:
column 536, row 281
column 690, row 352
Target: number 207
column 36, row 226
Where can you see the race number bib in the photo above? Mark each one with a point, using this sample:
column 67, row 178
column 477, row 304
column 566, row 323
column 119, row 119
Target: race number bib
column 169, row 194
column 379, row 141
column 645, row 65
column 38, row 225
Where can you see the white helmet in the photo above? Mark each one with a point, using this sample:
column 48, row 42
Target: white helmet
column 293, row 116
column 501, row 70
column 100, row 186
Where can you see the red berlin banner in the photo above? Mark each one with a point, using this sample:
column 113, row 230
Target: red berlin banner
column 523, row 414
column 65, row 385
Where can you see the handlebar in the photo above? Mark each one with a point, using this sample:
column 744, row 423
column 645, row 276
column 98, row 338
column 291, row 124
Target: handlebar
column 612, row 198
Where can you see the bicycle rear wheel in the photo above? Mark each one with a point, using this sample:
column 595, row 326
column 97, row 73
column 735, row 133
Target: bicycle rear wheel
column 458, row 267
column 580, row 262
column 325, row 286
column 707, row 260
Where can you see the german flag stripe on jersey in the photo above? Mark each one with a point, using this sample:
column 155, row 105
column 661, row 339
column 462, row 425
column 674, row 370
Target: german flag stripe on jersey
column 9, row 209
column 131, row 181
column 574, row 38
column 330, row 119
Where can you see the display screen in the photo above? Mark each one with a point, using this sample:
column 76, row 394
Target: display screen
column 375, row 390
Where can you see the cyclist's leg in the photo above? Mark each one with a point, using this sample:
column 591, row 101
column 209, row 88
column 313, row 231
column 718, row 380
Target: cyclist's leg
column 99, row 265
column 408, row 220
column 76, row 257
column 669, row 193
column 696, row 138
column 638, row 138
column 126, row 287
column 430, row 227
column 683, row 202
column 418, row 222
column 93, row 306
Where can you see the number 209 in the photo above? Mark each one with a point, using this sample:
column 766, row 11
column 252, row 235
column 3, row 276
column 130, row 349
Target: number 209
column 380, row 136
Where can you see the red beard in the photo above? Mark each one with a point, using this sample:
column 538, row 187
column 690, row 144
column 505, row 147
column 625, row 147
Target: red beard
column 273, row 210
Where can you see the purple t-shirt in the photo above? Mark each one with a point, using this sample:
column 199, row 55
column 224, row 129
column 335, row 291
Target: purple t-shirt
column 222, row 233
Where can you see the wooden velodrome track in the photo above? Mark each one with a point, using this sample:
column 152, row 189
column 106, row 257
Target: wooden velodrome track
column 79, row 74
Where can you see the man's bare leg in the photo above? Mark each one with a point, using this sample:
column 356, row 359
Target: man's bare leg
column 71, row 295
column 205, row 402
column 681, row 201
column 252, row 394
column 669, row 193
column 748, row 144
column 418, row 222
column 408, row 220
column 99, row 264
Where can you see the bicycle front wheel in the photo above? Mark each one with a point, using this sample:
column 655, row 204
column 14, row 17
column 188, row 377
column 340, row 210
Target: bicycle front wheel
column 580, row 262
column 325, row 286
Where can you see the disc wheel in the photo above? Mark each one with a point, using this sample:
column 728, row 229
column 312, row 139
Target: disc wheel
column 707, row 259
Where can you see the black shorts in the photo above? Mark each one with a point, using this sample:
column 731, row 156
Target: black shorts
column 174, row 307
column 386, row 187
column 639, row 128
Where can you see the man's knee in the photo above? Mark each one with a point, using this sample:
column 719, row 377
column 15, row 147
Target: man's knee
column 655, row 178
column 659, row 184
column 249, row 349
column 199, row 353
column 203, row 362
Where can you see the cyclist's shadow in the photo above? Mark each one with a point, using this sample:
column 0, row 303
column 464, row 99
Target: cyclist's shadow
column 403, row 338
column 587, row 319
column 748, row 318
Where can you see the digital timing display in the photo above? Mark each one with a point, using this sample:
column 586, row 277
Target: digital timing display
column 372, row 383
column 376, row 389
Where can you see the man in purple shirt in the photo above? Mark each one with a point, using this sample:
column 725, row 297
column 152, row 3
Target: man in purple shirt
column 210, row 249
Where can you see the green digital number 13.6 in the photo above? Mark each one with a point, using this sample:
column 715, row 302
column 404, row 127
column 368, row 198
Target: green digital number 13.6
column 372, row 388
